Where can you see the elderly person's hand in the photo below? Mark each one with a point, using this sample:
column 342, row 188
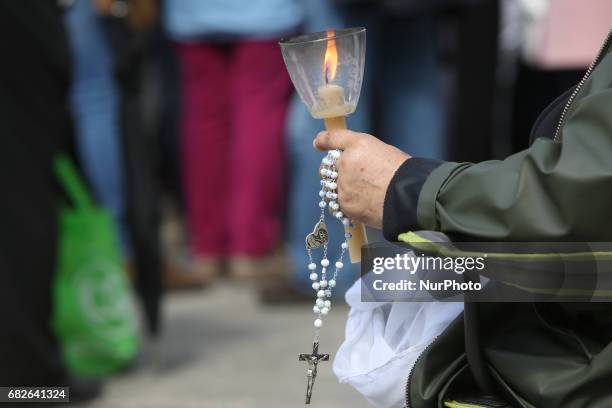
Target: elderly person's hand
column 365, row 169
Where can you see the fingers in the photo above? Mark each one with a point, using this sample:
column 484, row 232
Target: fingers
column 334, row 139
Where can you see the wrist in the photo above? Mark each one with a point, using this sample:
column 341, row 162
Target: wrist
column 402, row 195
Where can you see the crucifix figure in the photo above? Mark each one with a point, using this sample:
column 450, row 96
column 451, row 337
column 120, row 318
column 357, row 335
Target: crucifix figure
column 312, row 360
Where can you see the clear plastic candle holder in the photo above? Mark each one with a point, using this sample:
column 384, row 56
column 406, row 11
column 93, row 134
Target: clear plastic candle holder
column 326, row 69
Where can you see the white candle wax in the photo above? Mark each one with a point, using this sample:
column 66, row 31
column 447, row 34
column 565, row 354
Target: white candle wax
column 331, row 102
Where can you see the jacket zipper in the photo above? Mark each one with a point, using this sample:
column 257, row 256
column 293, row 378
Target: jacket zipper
column 409, row 380
column 586, row 76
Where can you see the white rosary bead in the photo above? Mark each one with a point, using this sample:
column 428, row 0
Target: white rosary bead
column 316, row 309
column 325, row 262
column 346, row 221
column 321, row 294
column 312, row 266
column 322, row 204
column 329, row 194
column 339, row 215
column 314, row 276
column 323, row 172
column 315, row 285
column 332, row 185
column 339, row 265
column 320, row 303
column 332, row 175
column 321, row 193
column 331, row 283
column 344, row 245
column 335, row 154
column 318, row 323
column 327, row 304
column 324, row 311
column 326, row 293
column 323, row 284
column 326, row 161
column 334, row 196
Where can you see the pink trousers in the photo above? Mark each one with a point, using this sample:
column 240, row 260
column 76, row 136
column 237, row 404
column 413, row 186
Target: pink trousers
column 235, row 99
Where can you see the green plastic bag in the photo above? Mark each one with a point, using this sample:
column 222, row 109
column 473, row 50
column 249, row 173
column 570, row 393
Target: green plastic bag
column 93, row 315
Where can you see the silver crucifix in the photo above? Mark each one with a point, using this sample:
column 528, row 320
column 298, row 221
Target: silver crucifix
column 312, row 360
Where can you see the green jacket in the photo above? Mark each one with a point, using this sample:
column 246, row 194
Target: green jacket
column 560, row 189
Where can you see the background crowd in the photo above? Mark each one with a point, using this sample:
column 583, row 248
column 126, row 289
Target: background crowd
column 182, row 120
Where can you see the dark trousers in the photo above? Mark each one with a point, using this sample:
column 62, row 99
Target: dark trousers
column 34, row 123
column 471, row 39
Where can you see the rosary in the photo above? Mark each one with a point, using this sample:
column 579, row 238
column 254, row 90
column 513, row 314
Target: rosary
column 326, row 69
column 318, row 238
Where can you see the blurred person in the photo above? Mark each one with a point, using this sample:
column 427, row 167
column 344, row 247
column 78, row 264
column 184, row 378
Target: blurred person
column 403, row 75
column 95, row 105
column 553, row 58
column 302, row 183
column 130, row 26
column 36, row 125
column 400, row 98
column 469, row 39
column 235, row 93
column 109, row 40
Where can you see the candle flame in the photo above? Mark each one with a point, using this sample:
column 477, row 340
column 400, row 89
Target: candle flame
column 331, row 57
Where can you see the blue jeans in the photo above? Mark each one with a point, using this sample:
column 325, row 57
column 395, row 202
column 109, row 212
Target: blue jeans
column 407, row 77
column 94, row 102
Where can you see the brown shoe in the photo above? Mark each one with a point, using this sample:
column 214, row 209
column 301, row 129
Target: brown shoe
column 207, row 269
column 283, row 292
column 201, row 273
column 267, row 267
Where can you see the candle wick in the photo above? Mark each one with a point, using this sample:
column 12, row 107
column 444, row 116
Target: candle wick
column 326, row 75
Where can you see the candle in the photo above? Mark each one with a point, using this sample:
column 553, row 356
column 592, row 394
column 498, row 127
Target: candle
column 331, row 102
column 358, row 234
column 333, row 110
column 331, row 97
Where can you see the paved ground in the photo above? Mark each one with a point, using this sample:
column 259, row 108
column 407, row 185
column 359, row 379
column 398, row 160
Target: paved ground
column 221, row 349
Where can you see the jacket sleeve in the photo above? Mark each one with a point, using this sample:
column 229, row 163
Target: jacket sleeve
column 551, row 191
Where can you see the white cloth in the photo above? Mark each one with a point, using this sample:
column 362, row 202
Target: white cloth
column 383, row 340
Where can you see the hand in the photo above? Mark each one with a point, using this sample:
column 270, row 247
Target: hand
column 365, row 169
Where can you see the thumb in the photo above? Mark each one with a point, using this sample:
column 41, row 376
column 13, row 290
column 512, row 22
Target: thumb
column 334, row 139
